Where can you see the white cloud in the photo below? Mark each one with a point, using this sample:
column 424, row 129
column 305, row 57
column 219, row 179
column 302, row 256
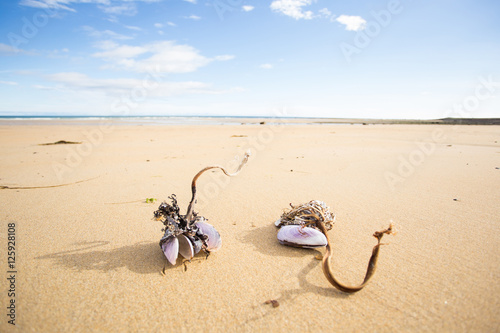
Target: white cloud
column 224, row 57
column 158, row 25
column 45, row 4
column 10, row 83
column 104, row 33
column 131, row 27
column 352, row 23
column 106, row 44
column 292, row 8
column 248, row 8
column 172, row 24
column 165, row 56
column 191, row 1
column 193, row 17
column 125, row 86
column 325, row 12
column 7, row 49
column 266, row 66
column 121, row 52
column 127, row 7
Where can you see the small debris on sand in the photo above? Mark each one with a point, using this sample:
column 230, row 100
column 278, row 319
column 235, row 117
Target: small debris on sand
column 60, row 142
column 274, row 302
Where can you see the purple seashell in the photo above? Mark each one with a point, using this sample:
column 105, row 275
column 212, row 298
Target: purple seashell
column 185, row 247
column 196, row 243
column 299, row 236
column 171, row 249
column 214, row 242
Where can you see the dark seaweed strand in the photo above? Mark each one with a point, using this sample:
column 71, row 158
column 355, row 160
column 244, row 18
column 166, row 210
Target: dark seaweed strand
column 190, row 208
column 372, row 264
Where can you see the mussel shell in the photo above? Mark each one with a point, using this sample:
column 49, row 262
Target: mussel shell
column 196, row 243
column 185, row 247
column 303, row 237
column 170, row 248
column 214, row 242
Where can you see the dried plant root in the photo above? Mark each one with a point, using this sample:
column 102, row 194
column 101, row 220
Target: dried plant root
column 317, row 215
column 195, row 178
column 372, row 264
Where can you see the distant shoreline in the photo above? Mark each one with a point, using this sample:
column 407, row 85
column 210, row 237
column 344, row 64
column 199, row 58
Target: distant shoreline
column 196, row 120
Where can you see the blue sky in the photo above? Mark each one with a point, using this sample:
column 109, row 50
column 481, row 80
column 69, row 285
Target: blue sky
column 313, row 58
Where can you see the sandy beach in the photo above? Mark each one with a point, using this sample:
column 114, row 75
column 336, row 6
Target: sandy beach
column 87, row 257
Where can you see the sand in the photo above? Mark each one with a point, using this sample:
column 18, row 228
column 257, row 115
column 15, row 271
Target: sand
column 87, row 254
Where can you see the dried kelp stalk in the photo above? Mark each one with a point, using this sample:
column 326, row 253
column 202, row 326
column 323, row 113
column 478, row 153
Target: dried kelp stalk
column 307, row 226
column 189, row 234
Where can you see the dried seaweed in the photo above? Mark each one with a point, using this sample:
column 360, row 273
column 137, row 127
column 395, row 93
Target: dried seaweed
column 317, row 215
column 4, row 187
column 60, row 142
column 190, row 227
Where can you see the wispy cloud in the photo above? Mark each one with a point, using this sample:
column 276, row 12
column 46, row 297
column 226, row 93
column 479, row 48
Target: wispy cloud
column 191, row 1
column 131, row 27
column 266, row 66
column 325, row 12
column 224, row 57
column 9, row 83
column 193, row 17
column 292, row 8
column 119, row 87
column 126, row 8
column 352, row 23
column 104, row 33
column 166, row 56
column 7, row 49
column 113, row 8
column 172, row 24
column 46, row 4
column 248, row 8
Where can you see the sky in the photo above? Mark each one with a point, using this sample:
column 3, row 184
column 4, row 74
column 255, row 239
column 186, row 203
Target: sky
column 392, row 59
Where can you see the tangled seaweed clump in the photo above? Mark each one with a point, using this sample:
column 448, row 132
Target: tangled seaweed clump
column 307, row 225
column 188, row 234
column 182, row 236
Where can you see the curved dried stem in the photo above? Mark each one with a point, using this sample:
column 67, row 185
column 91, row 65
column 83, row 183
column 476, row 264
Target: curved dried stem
column 190, row 208
column 372, row 264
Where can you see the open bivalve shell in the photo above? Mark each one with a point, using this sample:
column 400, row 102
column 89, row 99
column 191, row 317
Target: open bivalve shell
column 299, row 236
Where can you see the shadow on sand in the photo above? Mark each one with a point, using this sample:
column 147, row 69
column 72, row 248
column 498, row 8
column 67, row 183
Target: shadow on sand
column 264, row 241
column 142, row 257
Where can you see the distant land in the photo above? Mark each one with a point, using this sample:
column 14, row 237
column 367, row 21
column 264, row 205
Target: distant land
column 442, row 121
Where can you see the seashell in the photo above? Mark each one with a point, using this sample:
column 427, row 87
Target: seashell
column 214, row 242
column 299, row 236
column 185, row 247
column 171, row 249
column 196, row 243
